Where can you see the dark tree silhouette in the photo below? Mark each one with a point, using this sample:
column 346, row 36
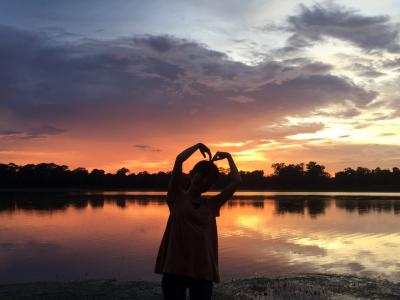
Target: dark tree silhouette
column 310, row 176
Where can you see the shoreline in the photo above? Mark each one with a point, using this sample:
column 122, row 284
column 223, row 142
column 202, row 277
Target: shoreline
column 122, row 190
column 298, row 286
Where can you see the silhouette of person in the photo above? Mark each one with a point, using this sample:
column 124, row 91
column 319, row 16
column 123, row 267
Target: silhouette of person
column 188, row 253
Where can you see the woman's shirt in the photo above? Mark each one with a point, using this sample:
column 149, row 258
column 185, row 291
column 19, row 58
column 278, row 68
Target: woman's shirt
column 189, row 245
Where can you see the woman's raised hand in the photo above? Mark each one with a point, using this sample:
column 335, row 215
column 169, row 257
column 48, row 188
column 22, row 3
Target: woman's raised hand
column 220, row 155
column 204, row 149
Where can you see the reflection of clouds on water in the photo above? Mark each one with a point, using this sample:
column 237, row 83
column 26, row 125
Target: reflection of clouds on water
column 333, row 242
column 112, row 233
column 364, row 253
column 317, row 242
column 249, row 221
column 378, row 260
column 355, row 266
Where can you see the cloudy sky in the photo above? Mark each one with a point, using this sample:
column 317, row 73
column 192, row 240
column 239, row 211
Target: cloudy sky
column 107, row 84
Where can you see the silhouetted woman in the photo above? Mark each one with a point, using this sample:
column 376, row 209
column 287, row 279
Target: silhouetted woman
column 188, row 254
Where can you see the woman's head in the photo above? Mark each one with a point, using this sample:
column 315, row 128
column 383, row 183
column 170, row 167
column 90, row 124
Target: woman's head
column 203, row 175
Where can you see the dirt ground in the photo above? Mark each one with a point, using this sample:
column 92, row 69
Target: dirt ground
column 302, row 287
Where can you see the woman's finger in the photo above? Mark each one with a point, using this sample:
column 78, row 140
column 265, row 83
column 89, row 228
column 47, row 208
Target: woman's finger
column 216, row 157
column 209, row 153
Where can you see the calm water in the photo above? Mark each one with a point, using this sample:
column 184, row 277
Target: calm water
column 66, row 236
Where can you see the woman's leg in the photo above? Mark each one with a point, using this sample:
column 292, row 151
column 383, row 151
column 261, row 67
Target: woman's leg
column 200, row 289
column 173, row 287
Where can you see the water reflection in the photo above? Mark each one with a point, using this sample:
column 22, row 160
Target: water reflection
column 313, row 206
column 43, row 202
column 310, row 205
column 365, row 206
column 66, row 236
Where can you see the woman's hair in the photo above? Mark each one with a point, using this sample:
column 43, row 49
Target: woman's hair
column 207, row 168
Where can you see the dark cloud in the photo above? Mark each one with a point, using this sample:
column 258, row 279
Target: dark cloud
column 305, row 92
column 280, row 131
column 59, row 33
column 366, row 71
column 47, row 130
column 160, row 78
column 31, row 133
column 147, row 148
column 142, row 146
column 328, row 19
column 10, row 132
column 157, row 43
column 392, row 63
column 347, row 112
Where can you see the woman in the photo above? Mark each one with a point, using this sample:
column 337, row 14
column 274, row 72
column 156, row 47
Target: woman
column 188, row 254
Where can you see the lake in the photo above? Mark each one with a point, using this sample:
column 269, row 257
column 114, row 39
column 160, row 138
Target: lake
column 73, row 236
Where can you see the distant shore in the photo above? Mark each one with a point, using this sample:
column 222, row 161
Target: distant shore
column 301, row 286
column 100, row 190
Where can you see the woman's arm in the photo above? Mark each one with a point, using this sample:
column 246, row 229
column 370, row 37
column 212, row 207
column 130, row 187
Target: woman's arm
column 185, row 154
column 236, row 180
column 174, row 182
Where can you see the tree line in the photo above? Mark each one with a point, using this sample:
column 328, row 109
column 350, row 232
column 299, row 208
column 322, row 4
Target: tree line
column 310, row 176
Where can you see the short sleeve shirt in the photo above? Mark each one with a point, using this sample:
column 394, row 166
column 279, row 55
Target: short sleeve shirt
column 189, row 245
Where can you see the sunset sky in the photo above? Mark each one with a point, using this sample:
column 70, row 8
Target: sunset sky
column 111, row 84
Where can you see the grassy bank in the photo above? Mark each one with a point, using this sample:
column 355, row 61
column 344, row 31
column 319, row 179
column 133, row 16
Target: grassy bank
column 304, row 286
